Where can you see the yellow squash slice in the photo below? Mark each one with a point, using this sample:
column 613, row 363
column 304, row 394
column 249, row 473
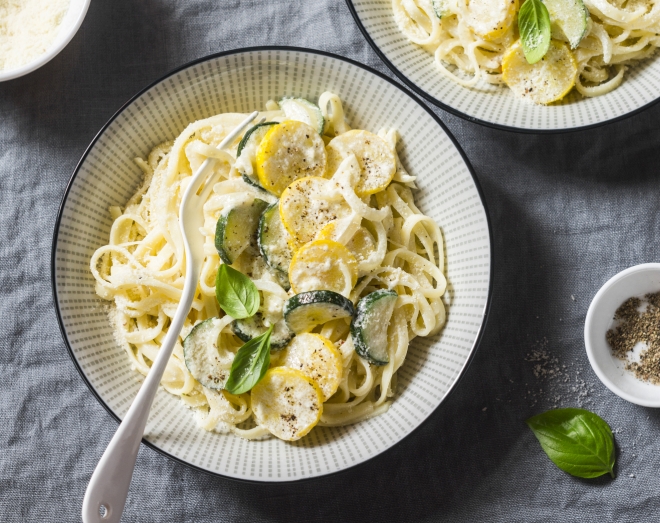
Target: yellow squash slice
column 490, row 19
column 318, row 358
column 546, row 81
column 304, row 210
column 323, row 265
column 377, row 162
column 289, row 151
column 287, row 402
column 361, row 245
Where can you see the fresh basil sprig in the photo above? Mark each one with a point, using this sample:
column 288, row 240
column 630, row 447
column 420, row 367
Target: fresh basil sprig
column 577, row 441
column 534, row 27
column 236, row 293
column 250, row 364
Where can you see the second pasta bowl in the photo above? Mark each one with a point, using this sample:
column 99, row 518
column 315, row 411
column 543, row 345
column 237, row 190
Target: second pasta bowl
column 457, row 59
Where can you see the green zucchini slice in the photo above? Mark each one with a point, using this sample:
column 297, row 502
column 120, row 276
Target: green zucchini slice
column 237, row 229
column 282, row 278
column 273, row 240
column 440, row 8
column 249, row 328
column 303, row 111
column 304, row 311
column 252, row 180
column 369, row 326
column 247, row 147
column 570, row 18
column 200, row 353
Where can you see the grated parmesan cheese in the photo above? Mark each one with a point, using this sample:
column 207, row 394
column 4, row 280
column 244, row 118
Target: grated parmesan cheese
column 27, row 29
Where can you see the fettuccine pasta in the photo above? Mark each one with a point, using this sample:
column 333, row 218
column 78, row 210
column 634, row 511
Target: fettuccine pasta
column 474, row 41
column 359, row 244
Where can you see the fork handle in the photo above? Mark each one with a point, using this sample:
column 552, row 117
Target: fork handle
column 107, row 490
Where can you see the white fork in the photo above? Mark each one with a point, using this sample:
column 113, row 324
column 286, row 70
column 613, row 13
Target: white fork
column 107, row 490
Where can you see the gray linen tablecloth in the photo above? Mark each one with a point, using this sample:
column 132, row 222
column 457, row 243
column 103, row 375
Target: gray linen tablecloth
column 568, row 211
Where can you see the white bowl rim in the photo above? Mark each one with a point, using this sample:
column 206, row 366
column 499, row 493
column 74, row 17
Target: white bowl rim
column 421, row 92
column 58, row 313
column 591, row 353
column 51, row 53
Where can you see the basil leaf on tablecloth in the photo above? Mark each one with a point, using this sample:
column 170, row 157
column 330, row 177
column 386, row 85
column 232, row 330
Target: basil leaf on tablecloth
column 250, row 364
column 534, row 27
column 577, row 441
column 236, row 293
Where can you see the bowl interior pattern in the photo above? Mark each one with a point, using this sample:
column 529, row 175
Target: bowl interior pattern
column 496, row 105
column 241, row 82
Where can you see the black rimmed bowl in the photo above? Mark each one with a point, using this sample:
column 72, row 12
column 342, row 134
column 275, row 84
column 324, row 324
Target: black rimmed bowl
column 241, row 81
column 492, row 105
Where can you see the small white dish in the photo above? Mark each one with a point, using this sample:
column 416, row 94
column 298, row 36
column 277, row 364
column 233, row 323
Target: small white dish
column 635, row 281
column 68, row 28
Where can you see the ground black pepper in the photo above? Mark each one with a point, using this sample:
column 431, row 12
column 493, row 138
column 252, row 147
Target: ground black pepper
column 636, row 327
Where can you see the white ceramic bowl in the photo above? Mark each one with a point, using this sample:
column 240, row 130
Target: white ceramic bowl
column 243, row 81
column 68, row 28
column 494, row 105
column 635, row 281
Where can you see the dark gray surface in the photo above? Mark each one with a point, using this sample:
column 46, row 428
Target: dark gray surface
column 568, row 212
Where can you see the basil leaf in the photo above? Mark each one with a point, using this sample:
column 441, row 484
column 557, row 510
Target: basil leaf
column 250, row 364
column 534, row 27
column 236, row 293
column 577, row 441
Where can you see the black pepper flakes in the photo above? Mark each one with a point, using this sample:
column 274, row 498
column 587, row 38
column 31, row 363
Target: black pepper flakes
column 636, row 327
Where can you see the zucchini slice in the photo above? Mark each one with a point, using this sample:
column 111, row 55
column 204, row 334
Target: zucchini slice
column 252, row 180
column 247, row 150
column 369, row 326
column 375, row 157
column 304, row 211
column 440, row 8
column 491, row 19
column 318, row 358
column 323, row 265
column 274, row 240
column 303, row 111
column 254, row 326
column 289, row 151
column 282, row 278
column 362, row 244
column 200, row 353
column 237, row 229
column 570, row 18
column 287, row 402
column 253, row 136
column 304, row 311
column 544, row 82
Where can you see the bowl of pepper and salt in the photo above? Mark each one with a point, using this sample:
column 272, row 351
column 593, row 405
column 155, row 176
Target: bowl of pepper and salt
column 622, row 334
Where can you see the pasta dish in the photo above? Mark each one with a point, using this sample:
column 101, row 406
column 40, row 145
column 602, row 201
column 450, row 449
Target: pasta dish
column 540, row 49
column 320, row 220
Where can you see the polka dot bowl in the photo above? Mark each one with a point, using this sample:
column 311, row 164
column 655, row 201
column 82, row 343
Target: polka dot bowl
column 492, row 105
column 241, row 81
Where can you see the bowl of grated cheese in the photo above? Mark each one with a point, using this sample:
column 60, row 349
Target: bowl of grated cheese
column 33, row 32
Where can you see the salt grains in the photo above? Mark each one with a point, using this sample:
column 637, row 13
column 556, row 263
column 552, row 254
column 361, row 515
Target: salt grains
column 561, row 383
